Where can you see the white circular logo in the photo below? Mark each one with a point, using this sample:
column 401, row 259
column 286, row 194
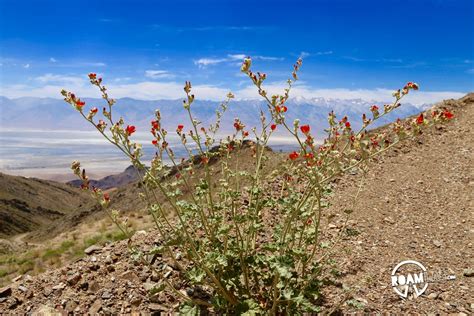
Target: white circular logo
column 409, row 277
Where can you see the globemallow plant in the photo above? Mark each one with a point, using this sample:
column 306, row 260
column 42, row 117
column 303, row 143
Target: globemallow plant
column 250, row 239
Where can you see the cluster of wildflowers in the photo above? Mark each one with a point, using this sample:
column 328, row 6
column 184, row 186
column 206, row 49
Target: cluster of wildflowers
column 247, row 262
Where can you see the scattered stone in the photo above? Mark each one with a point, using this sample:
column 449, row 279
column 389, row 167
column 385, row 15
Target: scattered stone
column 389, row 220
column 47, row 291
column 157, row 307
column 108, row 260
column 106, row 295
column 18, row 278
column 60, row 286
column 148, row 286
column 70, row 306
column 468, row 273
column 92, row 249
column 6, row 291
column 96, row 307
column 74, row 279
column 22, row 288
column 94, row 286
column 437, row 243
column 130, row 276
column 433, row 296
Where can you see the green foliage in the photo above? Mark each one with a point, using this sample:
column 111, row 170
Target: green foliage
column 251, row 239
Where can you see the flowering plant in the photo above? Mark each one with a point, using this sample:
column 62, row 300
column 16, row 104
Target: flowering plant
column 250, row 237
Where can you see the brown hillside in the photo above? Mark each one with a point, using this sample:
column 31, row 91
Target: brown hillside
column 27, row 204
column 416, row 203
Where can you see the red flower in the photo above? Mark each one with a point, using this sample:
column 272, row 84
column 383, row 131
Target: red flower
column 281, row 109
column 420, row 119
column 80, row 104
column 180, row 128
column 374, row 108
column 155, row 124
column 412, row 85
column 106, row 197
column 294, row 155
column 348, row 125
column 273, row 127
column 238, row 125
column 92, row 76
column 309, row 156
column 130, row 130
column 305, row 129
column 447, row 115
column 246, row 134
column 154, row 142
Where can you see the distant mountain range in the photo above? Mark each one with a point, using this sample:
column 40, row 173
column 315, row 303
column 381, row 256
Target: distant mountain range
column 127, row 176
column 49, row 113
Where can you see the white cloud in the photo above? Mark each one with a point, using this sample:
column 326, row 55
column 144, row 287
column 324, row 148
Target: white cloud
column 158, row 74
column 470, row 71
column 329, row 52
column 26, row 66
column 204, row 62
column 61, row 79
column 53, row 60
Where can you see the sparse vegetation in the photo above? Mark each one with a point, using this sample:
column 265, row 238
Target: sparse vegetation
column 251, row 240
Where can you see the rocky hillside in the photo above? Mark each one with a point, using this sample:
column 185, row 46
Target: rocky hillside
column 27, row 204
column 416, row 204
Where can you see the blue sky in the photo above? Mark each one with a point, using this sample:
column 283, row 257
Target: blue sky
column 147, row 49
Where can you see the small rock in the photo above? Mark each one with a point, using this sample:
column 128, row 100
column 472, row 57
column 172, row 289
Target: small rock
column 130, row 275
column 74, row 279
column 60, row 286
column 332, row 226
column 47, row 291
column 6, row 291
column 94, row 286
column 22, row 288
column 392, row 180
column 106, row 295
column 93, row 259
column 135, row 301
column 468, row 273
column 157, row 307
column 70, row 306
column 92, row 249
column 18, row 278
column 437, row 243
column 389, row 220
column 148, row 286
column 108, row 260
column 95, row 308
column 433, row 296
column 419, row 181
